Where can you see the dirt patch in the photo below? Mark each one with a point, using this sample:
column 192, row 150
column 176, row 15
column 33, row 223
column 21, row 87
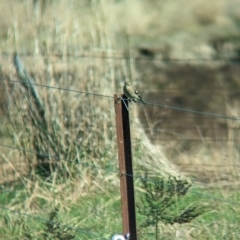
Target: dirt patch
column 203, row 88
column 202, row 146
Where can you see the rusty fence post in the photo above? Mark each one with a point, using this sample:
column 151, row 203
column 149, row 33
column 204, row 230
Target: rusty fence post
column 125, row 167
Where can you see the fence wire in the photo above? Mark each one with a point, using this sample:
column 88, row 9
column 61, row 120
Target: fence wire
column 112, row 56
column 215, row 115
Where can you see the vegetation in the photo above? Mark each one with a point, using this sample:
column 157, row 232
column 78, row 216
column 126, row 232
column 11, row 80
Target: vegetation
column 160, row 202
column 84, row 46
column 53, row 229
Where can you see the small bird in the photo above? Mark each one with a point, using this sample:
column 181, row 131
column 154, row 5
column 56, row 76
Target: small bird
column 131, row 93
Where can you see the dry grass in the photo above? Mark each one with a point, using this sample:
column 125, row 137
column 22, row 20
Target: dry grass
column 64, row 26
column 85, row 124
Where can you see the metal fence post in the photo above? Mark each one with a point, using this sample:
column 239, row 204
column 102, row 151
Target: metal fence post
column 125, row 167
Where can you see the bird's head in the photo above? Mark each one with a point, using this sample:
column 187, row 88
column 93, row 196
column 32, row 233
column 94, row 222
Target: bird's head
column 127, row 83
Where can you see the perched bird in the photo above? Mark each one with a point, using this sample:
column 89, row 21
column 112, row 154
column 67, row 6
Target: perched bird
column 131, row 93
column 121, row 237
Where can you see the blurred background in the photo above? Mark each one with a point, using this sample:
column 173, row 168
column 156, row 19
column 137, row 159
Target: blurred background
column 183, row 54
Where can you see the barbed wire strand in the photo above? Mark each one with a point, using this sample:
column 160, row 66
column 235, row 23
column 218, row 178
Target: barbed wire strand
column 203, row 140
column 171, row 92
column 129, row 175
column 193, row 111
column 175, row 163
column 207, row 165
column 147, row 103
column 137, row 58
column 58, row 88
column 196, row 128
column 57, row 158
column 190, row 191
